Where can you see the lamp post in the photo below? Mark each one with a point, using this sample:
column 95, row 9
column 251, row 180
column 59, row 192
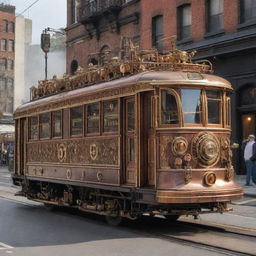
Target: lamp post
column 45, row 45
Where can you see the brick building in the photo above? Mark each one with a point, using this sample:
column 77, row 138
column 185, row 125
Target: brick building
column 95, row 27
column 222, row 31
column 7, row 36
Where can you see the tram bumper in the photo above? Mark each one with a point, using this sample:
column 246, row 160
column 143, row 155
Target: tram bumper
column 198, row 196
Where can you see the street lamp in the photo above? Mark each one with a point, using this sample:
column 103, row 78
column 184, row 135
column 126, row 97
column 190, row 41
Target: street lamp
column 46, row 43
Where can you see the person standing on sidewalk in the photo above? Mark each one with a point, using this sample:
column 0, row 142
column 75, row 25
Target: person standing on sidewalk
column 249, row 150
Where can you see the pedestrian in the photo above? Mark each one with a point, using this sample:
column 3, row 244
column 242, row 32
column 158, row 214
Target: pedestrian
column 249, row 151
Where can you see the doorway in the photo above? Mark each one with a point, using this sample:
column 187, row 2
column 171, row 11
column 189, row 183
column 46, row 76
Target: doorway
column 248, row 122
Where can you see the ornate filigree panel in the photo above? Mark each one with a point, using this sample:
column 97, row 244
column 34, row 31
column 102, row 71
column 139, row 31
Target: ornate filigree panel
column 77, row 151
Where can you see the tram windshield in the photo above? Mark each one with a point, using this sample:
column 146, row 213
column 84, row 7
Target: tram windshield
column 191, row 103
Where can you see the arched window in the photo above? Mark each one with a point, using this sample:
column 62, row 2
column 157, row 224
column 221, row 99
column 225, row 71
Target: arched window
column 104, row 54
column 74, row 66
column 169, row 108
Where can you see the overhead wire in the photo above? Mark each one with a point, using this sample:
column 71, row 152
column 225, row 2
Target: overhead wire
column 29, row 7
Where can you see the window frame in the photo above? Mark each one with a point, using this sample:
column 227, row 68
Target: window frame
column 179, row 108
column 221, row 110
column 29, row 128
column 103, row 116
column 180, row 19
column 49, row 137
column 99, row 121
column 208, row 26
column 61, row 125
column 156, row 42
column 70, row 125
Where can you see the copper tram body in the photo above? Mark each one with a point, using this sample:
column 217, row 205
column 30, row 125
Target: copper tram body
column 155, row 142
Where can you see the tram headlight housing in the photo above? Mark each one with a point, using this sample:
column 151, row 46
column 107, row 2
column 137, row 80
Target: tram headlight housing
column 210, row 178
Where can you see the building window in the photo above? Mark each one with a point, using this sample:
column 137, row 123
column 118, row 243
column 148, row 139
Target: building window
column 184, row 22
column 10, row 65
column 11, row 27
column 2, row 84
column 215, row 15
column 5, row 26
column 2, row 64
column 157, row 32
column 11, row 46
column 74, row 6
column 3, row 45
column 247, row 10
column 76, row 121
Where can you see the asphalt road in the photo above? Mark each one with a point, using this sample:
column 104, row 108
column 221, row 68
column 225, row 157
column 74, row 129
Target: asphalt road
column 28, row 229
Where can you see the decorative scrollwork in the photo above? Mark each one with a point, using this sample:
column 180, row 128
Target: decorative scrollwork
column 62, row 153
column 187, row 175
column 94, row 151
column 206, row 149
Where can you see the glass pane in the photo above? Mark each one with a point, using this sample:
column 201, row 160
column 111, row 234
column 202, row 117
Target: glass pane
column 76, row 121
column 191, row 102
column 110, row 115
column 56, row 124
column 45, row 126
column 157, row 31
column 131, row 115
column 186, row 16
column 93, row 118
column 33, row 128
column 214, row 105
column 169, row 108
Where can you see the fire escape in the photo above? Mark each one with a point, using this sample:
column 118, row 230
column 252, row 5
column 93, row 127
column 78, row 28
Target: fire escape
column 91, row 11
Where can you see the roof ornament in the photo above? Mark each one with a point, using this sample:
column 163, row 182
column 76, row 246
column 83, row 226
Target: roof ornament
column 131, row 61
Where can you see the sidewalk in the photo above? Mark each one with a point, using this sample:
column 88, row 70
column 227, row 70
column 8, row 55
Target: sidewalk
column 248, row 191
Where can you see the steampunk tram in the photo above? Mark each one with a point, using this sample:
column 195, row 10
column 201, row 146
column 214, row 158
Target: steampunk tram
column 148, row 133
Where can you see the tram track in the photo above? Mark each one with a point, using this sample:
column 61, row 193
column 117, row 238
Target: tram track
column 214, row 237
column 204, row 236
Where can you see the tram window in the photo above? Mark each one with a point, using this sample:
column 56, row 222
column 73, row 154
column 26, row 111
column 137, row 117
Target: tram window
column 214, row 107
column 57, row 124
column 33, row 128
column 76, row 121
column 191, row 103
column 110, row 116
column 169, row 108
column 93, row 118
column 131, row 115
column 44, row 120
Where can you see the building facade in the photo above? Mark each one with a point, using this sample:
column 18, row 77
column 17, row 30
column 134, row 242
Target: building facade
column 7, row 42
column 95, row 27
column 222, row 31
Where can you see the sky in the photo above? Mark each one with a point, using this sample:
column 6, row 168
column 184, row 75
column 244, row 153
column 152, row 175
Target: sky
column 44, row 13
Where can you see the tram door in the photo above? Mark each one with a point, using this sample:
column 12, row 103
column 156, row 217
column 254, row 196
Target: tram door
column 149, row 139
column 129, row 140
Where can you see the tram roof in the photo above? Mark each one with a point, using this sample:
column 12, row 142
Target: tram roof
column 123, row 86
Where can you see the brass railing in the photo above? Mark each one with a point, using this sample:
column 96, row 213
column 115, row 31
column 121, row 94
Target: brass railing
column 94, row 8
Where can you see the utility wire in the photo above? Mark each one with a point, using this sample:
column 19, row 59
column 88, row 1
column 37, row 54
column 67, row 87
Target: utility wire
column 29, row 7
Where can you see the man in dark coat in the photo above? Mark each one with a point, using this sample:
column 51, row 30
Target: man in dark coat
column 249, row 153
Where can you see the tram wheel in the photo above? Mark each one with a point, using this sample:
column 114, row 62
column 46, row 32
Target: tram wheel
column 113, row 220
column 172, row 217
